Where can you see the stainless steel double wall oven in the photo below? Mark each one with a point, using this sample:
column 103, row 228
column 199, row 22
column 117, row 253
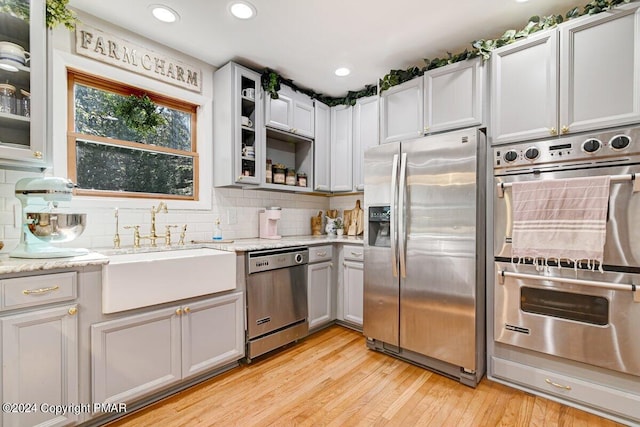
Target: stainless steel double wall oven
column 578, row 314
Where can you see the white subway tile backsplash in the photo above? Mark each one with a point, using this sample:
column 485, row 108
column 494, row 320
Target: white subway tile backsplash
column 242, row 204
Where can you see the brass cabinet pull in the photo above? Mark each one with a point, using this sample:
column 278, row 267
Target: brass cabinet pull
column 553, row 131
column 323, row 253
column 37, row 154
column 40, row 291
column 564, row 130
column 187, row 310
column 356, row 253
column 563, row 387
column 179, row 311
column 73, row 311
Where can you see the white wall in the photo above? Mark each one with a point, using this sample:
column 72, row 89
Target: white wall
column 237, row 209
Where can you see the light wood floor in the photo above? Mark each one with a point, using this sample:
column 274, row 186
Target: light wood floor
column 331, row 379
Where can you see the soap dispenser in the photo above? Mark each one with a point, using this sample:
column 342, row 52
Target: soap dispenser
column 217, row 231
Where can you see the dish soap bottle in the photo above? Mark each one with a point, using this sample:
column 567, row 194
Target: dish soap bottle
column 217, row 231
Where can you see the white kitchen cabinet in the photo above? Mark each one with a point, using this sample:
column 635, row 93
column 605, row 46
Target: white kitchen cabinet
column 40, row 365
column 402, row 111
column 292, row 112
column 353, row 291
column 341, row 148
column 23, row 139
column 322, row 148
column 582, row 76
column 524, row 86
column 237, row 146
column 138, row 354
column 453, row 96
column 319, row 293
column 365, row 135
column 600, row 71
column 353, row 283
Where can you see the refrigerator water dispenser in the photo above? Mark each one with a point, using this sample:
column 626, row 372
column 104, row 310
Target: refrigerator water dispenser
column 380, row 226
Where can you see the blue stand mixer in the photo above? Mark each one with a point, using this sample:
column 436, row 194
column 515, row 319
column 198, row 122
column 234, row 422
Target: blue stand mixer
column 43, row 223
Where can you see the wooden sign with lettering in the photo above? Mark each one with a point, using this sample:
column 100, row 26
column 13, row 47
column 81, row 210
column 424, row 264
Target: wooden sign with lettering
column 96, row 44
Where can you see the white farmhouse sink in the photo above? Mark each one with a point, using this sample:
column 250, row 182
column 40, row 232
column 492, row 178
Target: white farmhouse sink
column 143, row 279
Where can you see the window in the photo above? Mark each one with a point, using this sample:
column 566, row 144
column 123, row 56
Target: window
column 111, row 151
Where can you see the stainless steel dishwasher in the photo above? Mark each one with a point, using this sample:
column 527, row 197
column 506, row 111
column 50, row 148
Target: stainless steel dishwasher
column 276, row 298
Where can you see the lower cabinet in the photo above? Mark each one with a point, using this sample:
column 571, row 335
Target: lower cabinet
column 319, row 294
column 142, row 353
column 39, row 366
column 353, row 291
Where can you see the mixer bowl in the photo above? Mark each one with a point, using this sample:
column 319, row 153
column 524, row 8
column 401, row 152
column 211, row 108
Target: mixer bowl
column 56, row 227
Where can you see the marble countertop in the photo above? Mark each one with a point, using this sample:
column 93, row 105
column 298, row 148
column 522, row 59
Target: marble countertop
column 100, row 257
column 20, row 265
column 244, row 245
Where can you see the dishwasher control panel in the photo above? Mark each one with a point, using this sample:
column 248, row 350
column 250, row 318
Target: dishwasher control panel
column 272, row 259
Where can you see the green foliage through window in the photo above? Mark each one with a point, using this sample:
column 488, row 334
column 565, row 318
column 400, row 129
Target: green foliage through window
column 113, row 155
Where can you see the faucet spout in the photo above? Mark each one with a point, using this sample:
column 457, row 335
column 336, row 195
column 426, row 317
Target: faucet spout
column 162, row 207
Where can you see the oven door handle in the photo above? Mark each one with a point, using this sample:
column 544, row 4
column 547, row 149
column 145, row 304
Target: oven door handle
column 602, row 285
column 501, row 186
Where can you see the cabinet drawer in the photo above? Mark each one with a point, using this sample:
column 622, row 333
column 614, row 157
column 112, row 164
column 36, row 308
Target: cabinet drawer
column 320, row 253
column 36, row 290
column 353, row 253
column 579, row 391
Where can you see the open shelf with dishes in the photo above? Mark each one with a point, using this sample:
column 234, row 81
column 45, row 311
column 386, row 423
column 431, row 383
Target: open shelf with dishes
column 248, row 134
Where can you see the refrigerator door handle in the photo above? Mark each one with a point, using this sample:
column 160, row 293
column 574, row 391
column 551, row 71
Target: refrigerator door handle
column 402, row 215
column 392, row 219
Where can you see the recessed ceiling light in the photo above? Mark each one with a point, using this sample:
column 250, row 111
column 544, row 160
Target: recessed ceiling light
column 341, row 72
column 164, row 13
column 242, row 10
column 521, row 1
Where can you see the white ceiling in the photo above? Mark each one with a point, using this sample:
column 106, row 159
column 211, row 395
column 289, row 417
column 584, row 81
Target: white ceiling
column 306, row 40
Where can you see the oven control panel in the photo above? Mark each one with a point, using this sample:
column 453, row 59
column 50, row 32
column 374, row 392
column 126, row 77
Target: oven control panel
column 602, row 147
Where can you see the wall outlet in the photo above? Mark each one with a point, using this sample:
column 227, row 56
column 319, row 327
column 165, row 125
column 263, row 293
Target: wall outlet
column 232, row 216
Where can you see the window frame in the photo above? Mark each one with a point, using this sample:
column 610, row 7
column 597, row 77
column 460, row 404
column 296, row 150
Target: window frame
column 75, row 76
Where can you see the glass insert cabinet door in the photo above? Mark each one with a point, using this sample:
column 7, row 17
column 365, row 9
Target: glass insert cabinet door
column 23, row 58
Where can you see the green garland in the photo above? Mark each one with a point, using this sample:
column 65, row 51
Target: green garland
column 271, row 80
column 484, row 47
column 57, row 12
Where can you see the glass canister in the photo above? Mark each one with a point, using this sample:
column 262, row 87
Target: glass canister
column 291, row 177
column 278, row 174
column 7, row 98
column 302, row 179
column 25, row 103
column 268, row 176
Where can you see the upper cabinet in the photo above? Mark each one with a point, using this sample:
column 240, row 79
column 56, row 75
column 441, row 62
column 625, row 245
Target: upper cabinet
column 322, row 148
column 292, row 112
column 453, row 96
column 600, row 71
column 365, row 135
column 402, row 111
column 238, row 130
column 23, row 97
column 580, row 77
column 341, row 148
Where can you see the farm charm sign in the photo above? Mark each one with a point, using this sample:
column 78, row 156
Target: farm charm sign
column 96, row 44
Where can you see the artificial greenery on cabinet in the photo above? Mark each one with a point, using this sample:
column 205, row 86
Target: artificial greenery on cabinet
column 57, row 12
column 271, row 80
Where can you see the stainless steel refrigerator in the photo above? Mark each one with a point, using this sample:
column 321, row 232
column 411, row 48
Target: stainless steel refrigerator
column 424, row 258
